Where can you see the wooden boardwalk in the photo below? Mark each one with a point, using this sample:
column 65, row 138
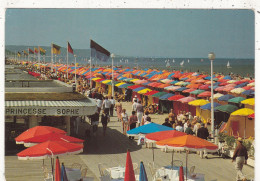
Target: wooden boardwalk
column 111, row 149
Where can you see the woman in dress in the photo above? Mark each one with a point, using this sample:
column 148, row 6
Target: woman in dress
column 132, row 122
column 118, row 107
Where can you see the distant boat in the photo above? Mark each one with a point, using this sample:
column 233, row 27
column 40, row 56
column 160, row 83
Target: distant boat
column 228, row 65
column 173, row 60
column 188, row 60
column 120, row 61
column 181, row 64
column 168, row 64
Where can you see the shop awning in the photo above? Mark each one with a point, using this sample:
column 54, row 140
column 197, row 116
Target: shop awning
column 51, row 108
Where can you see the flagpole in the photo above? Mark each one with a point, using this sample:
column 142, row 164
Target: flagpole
column 112, row 56
column 55, row 62
column 67, row 60
column 44, row 62
column 39, row 55
column 28, row 58
column 90, row 73
column 51, row 57
column 75, row 72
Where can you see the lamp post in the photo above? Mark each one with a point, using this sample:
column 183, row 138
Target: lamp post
column 112, row 56
column 75, row 71
column 211, row 57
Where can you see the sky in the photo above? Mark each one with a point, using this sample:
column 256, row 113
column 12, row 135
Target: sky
column 137, row 32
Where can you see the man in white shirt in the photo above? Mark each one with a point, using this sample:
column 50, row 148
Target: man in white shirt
column 99, row 104
column 112, row 100
column 106, row 105
column 140, row 111
column 134, row 105
column 135, row 98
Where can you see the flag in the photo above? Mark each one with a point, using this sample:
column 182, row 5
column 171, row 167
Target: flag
column 35, row 50
column 55, row 49
column 98, row 51
column 42, row 51
column 25, row 53
column 30, row 51
column 70, row 50
column 18, row 54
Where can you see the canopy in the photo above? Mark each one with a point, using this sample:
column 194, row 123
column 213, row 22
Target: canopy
column 250, row 101
column 166, row 96
column 242, row 112
column 175, row 97
column 236, row 99
column 186, row 99
column 196, row 92
column 162, row 135
column 159, row 94
column 226, row 97
column 199, row 102
column 205, row 94
column 148, row 128
column 228, row 108
column 237, row 90
column 208, row 106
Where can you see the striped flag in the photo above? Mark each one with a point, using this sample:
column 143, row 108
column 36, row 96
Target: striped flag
column 70, row 50
column 30, row 51
column 55, row 49
column 42, row 51
column 99, row 52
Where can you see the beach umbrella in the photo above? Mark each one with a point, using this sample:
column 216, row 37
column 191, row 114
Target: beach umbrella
column 204, row 87
column 243, row 112
column 175, row 97
column 208, row 106
column 188, row 90
column 250, row 101
column 187, row 143
column 247, row 87
column 223, row 84
column 166, row 96
column 228, row 89
column 217, row 95
column 205, row 94
column 247, row 92
column 49, row 149
column 231, row 81
column 57, row 170
column 181, row 89
column 225, row 97
column 220, row 88
column 181, row 174
column 162, row 135
column 129, row 169
column 241, row 85
column 159, row 94
column 148, row 128
column 227, row 77
column 142, row 173
column 63, row 173
column 186, row 99
column 194, row 86
column 237, row 90
column 196, row 92
column 228, row 108
column 236, row 99
column 198, row 102
column 51, row 137
column 37, row 131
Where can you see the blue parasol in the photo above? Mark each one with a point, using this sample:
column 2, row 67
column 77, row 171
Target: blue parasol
column 226, row 97
column 142, row 174
column 63, row 173
column 208, row 106
column 148, row 128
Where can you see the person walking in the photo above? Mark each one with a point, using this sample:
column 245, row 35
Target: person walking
column 140, row 112
column 106, row 105
column 203, row 133
column 134, row 105
column 111, row 110
column 188, row 130
column 124, row 118
column 118, row 107
column 240, row 157
column 104, row 120
column 132, row 123
column 94, row 119
column 99, row 102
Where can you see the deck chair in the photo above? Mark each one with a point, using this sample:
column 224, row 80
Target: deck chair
column 102, row 169
column 47, row 174
column 84, row 173
column 76, row 165
column 192, row 174
column 152, row 170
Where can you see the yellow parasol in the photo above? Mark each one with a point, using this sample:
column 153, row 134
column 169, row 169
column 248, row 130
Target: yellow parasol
column 144, row 91
column 243, row 112
column 250, row 101
column 198, row 102
column 121, row 83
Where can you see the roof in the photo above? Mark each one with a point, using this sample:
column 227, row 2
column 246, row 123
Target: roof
column 44, row 96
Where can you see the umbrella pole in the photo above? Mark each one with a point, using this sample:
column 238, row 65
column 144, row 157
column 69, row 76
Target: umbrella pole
column 172, row 158
column 186, row 164
column 52, row 168
column 245, row 129
column 153, row 153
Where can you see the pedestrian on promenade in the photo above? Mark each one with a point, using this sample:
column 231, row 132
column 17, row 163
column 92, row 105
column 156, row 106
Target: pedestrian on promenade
column 118, row 107
column 132, row 123
column 179, row 126
column 166, row 123
column 124, row 118
column 94, row 120
column 134, row 105
column 135, row 98
column 104, row 120
column 240, row 156
column 140, row 112
column 144, row 119
column 203, row 133
column 111, row 110
column 106, row 105
column 99, row 102
column 171, row 115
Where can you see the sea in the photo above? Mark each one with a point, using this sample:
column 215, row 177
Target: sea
column 243, row 67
